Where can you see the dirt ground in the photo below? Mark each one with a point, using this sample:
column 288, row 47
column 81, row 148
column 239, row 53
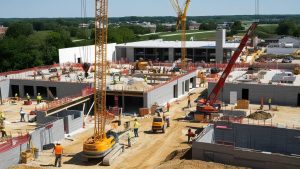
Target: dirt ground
column 284, row 116
column 154, row 150
column 149, row 151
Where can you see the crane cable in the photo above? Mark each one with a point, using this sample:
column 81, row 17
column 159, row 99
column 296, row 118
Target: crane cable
column 83, row 51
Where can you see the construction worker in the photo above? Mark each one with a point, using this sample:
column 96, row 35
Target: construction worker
column 270, row 103
column 168, row 106
column 38, row 98
column 189, row 101
column 3, row 132
column 22, row 114
column 58, row 149
column 145, row 79
column 120, row 76
column 136, row 126
column 129, row 138
column 168, row 120
column 28, row 97
column 16, row 97
column 189, row 134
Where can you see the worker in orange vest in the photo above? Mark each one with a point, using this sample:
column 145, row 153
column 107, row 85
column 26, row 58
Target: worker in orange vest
column 58, row 153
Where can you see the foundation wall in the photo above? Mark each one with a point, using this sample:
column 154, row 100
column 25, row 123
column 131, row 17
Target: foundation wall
column 73, row 120
column 246, row 158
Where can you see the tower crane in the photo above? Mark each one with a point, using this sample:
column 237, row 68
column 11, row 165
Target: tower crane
column 209, row 105
column 101, row 144
column 181, row 20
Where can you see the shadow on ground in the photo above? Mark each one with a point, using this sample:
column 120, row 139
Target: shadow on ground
column 151, row 132
column 77, row 160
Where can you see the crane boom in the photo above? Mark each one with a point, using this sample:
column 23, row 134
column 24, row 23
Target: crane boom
column 216, row 91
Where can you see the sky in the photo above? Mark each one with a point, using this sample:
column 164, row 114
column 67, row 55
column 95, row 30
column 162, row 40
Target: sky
column 117, row 8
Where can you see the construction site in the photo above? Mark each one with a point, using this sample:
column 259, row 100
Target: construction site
column 154, row 104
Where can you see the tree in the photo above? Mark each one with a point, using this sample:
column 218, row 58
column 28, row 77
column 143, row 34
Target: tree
column 286, row 28
column 237, row 26
column 208, row 26
column 18, row 29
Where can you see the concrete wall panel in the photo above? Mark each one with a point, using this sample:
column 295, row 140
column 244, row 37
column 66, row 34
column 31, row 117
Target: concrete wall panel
column 12, row 157
column 284, row 95
column 64, row 89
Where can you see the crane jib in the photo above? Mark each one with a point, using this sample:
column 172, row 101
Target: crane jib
column 216, row 90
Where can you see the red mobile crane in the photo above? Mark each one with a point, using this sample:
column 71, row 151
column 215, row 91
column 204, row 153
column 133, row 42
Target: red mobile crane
column 210, row 104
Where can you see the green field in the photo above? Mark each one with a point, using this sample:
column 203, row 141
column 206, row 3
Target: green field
column 173, row 36
column 196, row 37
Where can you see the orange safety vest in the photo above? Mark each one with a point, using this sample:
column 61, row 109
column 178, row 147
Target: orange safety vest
column 58, row 149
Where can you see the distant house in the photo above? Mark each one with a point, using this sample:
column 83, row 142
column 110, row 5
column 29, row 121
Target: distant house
column 151, row 27
column 169, row 26
column 83, row 25
column 194, row 25
column 225, row 25
column 2, row 31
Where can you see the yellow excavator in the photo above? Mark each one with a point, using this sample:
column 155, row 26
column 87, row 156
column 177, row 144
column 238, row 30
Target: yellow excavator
column 101, row 144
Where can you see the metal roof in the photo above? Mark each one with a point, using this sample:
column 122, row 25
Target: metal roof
column 175, row 44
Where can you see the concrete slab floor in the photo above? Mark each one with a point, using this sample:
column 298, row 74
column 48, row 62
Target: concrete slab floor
column 12, row 115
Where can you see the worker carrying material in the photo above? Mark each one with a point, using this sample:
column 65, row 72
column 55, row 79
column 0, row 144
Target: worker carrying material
column 136, row 127
column 22, row 114
column 58, row 149
column 38, row 98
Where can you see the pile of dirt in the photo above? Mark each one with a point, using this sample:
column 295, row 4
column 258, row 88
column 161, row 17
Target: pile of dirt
column 260, row 115
column 179, row 154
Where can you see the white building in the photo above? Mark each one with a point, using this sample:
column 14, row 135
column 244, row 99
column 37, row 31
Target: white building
column 84, row 54
column 207, row 51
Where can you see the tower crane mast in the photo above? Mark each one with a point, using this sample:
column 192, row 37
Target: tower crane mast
column 181, row 21
column 101, row 144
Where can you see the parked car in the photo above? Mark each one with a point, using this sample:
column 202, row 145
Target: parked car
column 287, row 60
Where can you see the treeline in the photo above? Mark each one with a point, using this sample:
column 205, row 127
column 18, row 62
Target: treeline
column 31, row 43
column 22, row 47
column 265, row 19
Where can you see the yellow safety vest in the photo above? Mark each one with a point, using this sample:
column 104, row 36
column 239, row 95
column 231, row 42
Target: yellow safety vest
column 136, row 125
